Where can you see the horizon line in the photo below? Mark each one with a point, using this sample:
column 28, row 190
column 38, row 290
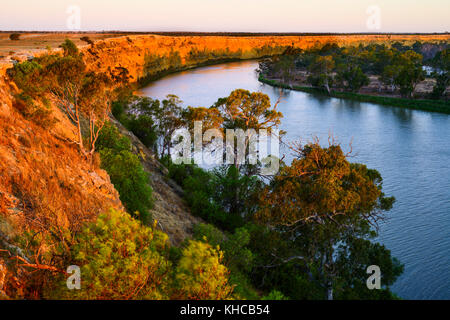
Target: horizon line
column 226, row 32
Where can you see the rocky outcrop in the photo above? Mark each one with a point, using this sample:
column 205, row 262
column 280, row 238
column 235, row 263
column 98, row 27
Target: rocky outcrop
column 129, row 51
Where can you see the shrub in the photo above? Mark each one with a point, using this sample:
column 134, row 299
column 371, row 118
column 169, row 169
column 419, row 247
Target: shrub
column 118, row 111
column 14, row 36
column 130, row 180
column 122, row 259
column 69, row 48
column 275, row 295
column 31, row 102
column 119, row 259
column 200, row 274
column 212, row 195
column 144, row 128
column 27, row 76
column 237, row 257
column 208, row 233
column 39, row 114
column 110, row 138
column 87, row 40
column 126, row 171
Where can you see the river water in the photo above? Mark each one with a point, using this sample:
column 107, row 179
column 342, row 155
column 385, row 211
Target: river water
column 410, row 148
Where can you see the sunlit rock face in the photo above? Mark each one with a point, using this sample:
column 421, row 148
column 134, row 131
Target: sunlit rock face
column 129, row 51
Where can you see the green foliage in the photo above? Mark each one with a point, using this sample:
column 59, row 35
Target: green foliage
column 398, row 67
column 69, row 48
column 247, row 113
column 31, row 101
column 237, row 256
column 110, row 138
column 200, row 274
column 144, row 128
column 422, row 104
column 320, row 210
column 441, row 62
column 285, row 65
column 320, row 72
column 168, row 119
column 235, row 192
column 222, row 197
column 26, row 75
column 442, row 82
column 351, row 77
column 151, row 121
column 120, row 259
column 126, row 172
column 201, row 197
column 359, row 252
column 409, row 72
column 275, row 295
column 209, row 233
column 130, row 180
column 118, row 109
column 139, row 115
column 243, row 109
column 325, row 175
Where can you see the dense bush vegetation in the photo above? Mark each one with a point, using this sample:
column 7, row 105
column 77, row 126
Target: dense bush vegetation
column 126, row 172
column 14, row 36
column 123, row 259
column 398, row 67
column 264, row 253
column 307, row 234
column 221, row 196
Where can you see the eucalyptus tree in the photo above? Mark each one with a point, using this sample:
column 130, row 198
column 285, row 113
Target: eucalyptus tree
column 326, row 209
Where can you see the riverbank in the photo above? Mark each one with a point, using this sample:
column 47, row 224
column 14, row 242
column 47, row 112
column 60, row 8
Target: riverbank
column 416, row 104
column 146, row 80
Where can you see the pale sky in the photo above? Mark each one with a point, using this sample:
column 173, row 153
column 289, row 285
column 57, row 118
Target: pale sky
column 229, row 15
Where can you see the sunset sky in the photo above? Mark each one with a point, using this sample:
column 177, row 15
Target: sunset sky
column 229, row 15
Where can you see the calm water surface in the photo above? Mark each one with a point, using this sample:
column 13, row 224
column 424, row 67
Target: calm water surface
column 411, row 149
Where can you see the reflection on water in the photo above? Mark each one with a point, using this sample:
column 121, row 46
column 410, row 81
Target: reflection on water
column 410, row 148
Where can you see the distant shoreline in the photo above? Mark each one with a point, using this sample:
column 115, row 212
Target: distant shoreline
column 415, row 104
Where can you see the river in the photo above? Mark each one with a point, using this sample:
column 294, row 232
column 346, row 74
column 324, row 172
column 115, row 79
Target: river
column 410, row 148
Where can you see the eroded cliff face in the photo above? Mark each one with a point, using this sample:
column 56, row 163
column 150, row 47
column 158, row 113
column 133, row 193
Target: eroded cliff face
column 46, row 186
column 129, row 51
